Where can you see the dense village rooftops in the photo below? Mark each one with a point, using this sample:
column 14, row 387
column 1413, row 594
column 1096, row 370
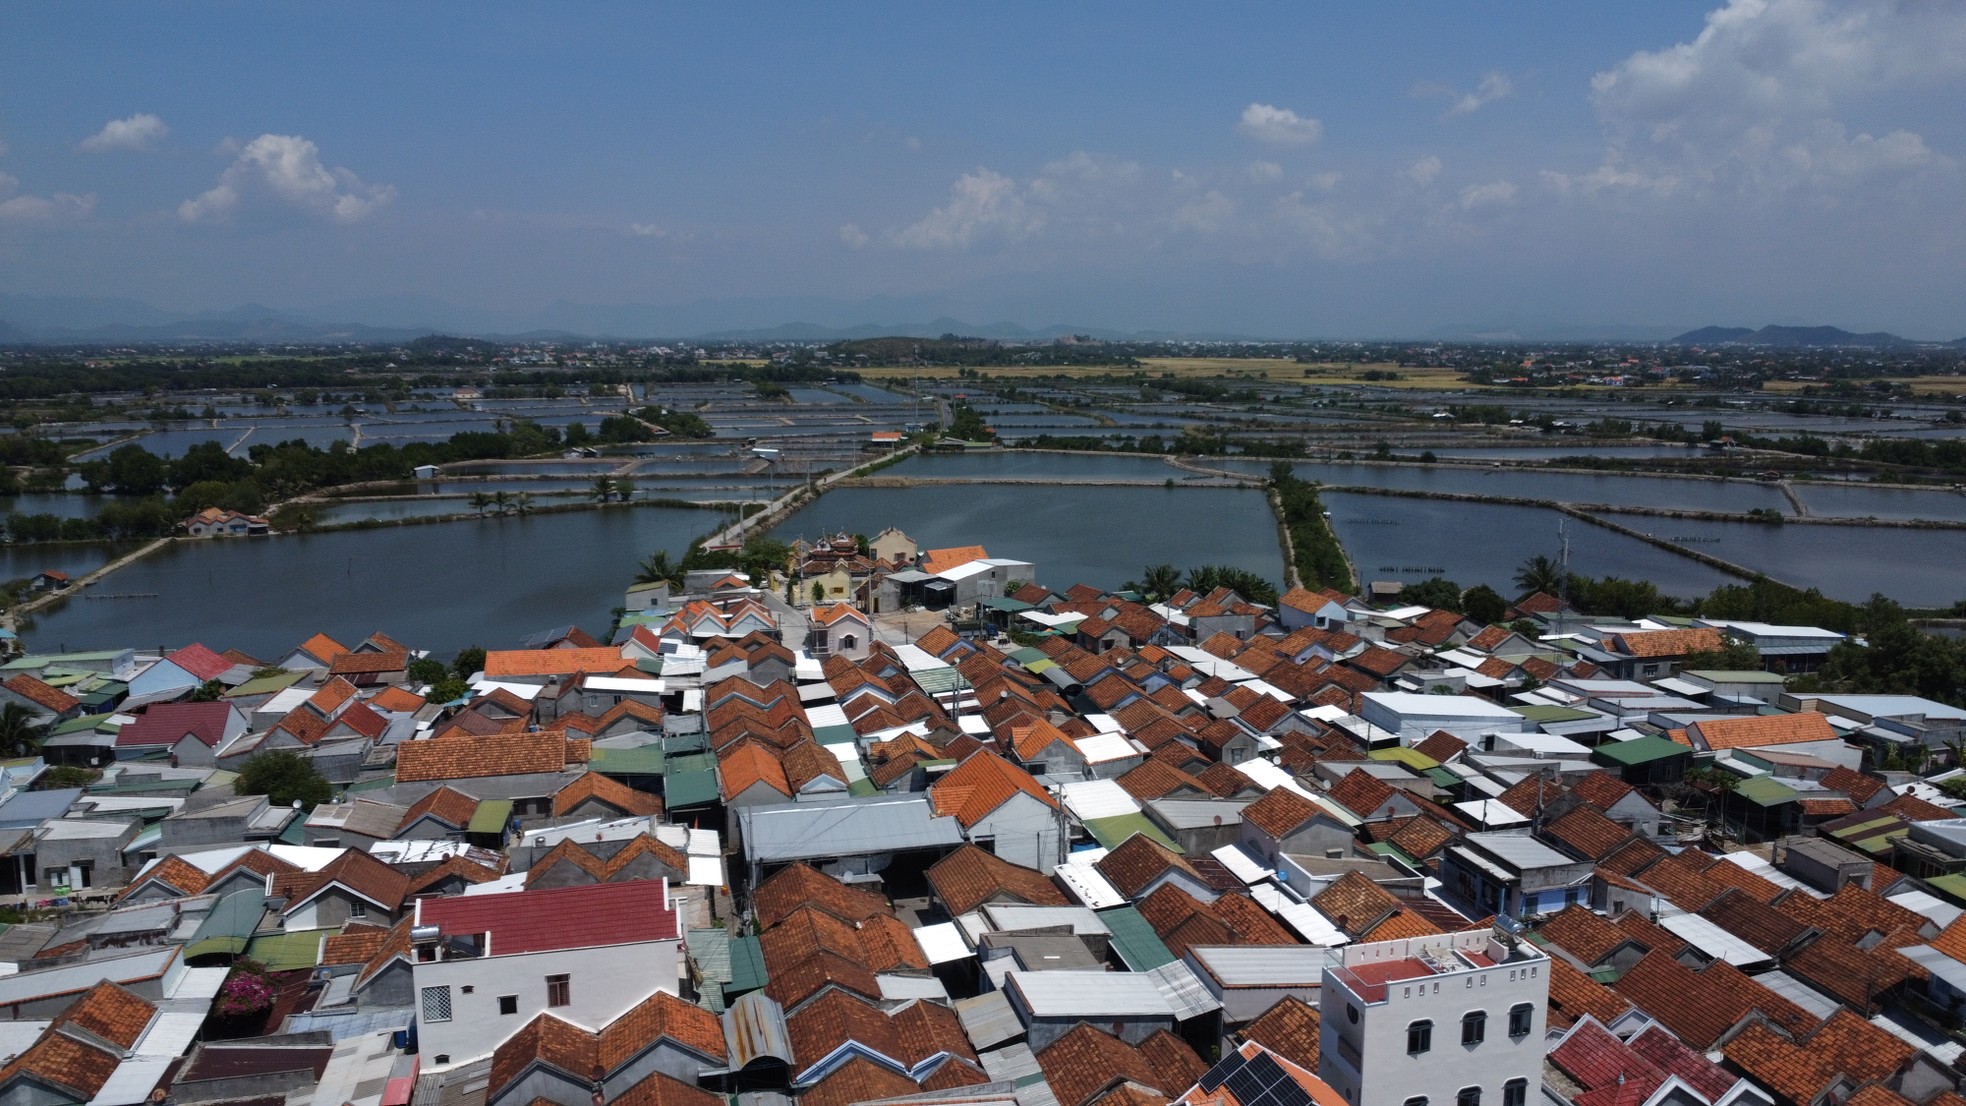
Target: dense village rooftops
column 546, row 919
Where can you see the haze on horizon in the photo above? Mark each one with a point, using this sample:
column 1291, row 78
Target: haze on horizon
column 1278, row 169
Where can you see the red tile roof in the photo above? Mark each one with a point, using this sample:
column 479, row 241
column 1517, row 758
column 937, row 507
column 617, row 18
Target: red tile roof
column 165, row 724
column 457, row 758
column 969, row 877
column 200, row 662
column 545, row 919
column 974, row 789
column 1754, row 732
column 42, row 694
column 799, row 885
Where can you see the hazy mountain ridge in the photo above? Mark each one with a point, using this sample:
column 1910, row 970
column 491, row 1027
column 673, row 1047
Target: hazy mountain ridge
column 1795, row 337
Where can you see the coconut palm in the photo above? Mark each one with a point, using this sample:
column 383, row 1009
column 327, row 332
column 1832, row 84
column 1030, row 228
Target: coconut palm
column 522, row 503
column 501, row 502
column 1539, row 573
column 658, row 568
column 479, row 502
column 1161, row 580
column 19, row 730
column 603, row 489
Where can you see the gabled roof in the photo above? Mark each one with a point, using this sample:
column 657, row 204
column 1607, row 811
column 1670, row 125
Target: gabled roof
column 1140, row 860
column 799, row 885
column 545, row 919
column 322, row 648
column 974, row 789
column 1667, row 643
column 510, row 663
column 200, row 662
column 592, row 786
column 1752, row 732
column 169, row 723
column 447, row 805
column 1280, row 812
column 942, row 560
column 457, row 758
column 360, row 874
column 744, row 764
column 969, row 877
column 42, row 694
column 1355, row 903
column 1289, row 1029
column 1699, row 1007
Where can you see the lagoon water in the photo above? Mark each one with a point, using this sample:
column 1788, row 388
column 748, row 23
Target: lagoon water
column 440, row 586
column 1032, row 464
column 1410, row 540
column 1102, row 536
column 1858, row 501
column 1922, row 568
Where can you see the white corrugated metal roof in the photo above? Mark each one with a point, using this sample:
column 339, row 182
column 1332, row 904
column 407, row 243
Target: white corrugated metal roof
column 1089, row 799
column 1100, row 748
column 1090, row 995
column 1313, row 926
column 1713, row 940
column 706, row 871
column 943, row 943
column 1084, row 882
column 827, row 714
column 132, row 1081
column 1240, row 865
column 172, row 1032
column 1183, row 990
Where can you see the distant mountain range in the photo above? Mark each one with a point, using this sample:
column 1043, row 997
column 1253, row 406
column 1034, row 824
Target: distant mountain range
column 1796, row 337
column 27, row 319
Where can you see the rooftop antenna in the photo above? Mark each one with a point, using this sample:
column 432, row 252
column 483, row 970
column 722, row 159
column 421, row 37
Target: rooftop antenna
column 1563, row 560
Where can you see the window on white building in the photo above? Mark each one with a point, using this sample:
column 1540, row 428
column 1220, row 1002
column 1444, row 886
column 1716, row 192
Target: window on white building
column 559, row 990
column 1419, row 1037
column 1474, row 1027
column 1468, row 1096
column 436, row 1004
column 1521, row 1016
column 1515, row 1093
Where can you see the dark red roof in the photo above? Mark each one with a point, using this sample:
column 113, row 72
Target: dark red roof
column 559, row 917
column 168, row 723
column 200, row 662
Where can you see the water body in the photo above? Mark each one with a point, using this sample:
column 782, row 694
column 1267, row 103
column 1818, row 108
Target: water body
column 1484, row 543
column 440, row 586
column 1549, row 453
column 1101, row 536
column 1025, row 465
column 1735, row 497
column 1924, row 568
column 74, row 558
column 1891, row 503
column 49, row 503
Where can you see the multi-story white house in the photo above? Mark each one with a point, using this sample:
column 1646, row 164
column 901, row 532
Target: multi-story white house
column 1453, row 1019
column 486, row 965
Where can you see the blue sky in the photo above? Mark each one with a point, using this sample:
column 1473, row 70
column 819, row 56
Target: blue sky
column 1382, row 169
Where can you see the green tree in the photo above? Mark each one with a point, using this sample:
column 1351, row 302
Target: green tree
column 423, row 670
column 134, row 470
column 469, row 661
column 284, row 777
column 480, row 502
column 659, row 568
column 818, row 593
column 624, row 489
column 1161, row 580
column 208, row 692
column 1483, row 604
column 1734, row 655
column 1539, row 573
column 449, row 690
column 67, row 775
column 522, row 504
column 1435, row 591
column 20, row 731
column 603, row 489
column 501, row 503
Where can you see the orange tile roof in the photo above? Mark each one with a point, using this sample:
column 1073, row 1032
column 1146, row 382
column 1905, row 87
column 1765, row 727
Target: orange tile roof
column 743, row 764
column 65, row 1062
column 661, row 1015
column 1754, row 732
column 111, row 1012
column 398, row 700
column 974, row 789
column 322, row 648
column 799, row 885
column 1574, row 994
column 1354, row 902
column 942, row 560
column 1289, row 1029
column 448, row 805
column 969, row 877
column 457, row 867
column 1668, row 643
column 1280, row 812
column 507, row 663
column 355, row 944
column 458, row 758
column 593, row 786
column 42, row 694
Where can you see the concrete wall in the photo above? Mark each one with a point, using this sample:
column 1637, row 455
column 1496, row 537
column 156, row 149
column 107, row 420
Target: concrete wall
column 605, row 983
column 1366, row 1060
column 1023, row 831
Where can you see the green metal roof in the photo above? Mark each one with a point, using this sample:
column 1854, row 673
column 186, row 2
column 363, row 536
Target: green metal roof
column 1136, row 942
column 1111, row 832
column 1766, row 791
column 77, row 725
column 1407, row 755
column 295, row 833
column 1444, row 779
column 862, row 787
column 285, row 952
column 643, row 760
column 694, row 788
column 1027, row 655
column 935, row 681
column 1004, row 603
column 492, row 816
column 1639, row 750
column 378, row 784
column 835, row 735
column 747, row 966
column 1952, row 887
column 266, row 685
column 709, row 951
column 1736, row 675
column 230, row 925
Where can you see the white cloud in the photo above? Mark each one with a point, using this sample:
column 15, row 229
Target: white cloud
column 138, row 132
column 38, row 209
column 1423, row 171
column 648, row 230
column 1265, row 171
column 1277, row 126
column 1755, row 102
column 1328, row 180
column 1494, row 86
column 288, row 168
column 981, row 204
column 1211, row 213
column 853, row 236
column 1487, row 195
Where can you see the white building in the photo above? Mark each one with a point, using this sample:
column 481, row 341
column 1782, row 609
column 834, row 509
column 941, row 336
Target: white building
column 485, row 965
column 1452, row 1019
column 1415, row 717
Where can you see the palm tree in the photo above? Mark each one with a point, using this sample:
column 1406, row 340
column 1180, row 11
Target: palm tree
column 603, row 489
column 480, row 501
column 522, row 503
column 19, row 730
column 501, row 502
column 1203, row 579
column 1539, row 573
column 1161, row 580
column 658, row 568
